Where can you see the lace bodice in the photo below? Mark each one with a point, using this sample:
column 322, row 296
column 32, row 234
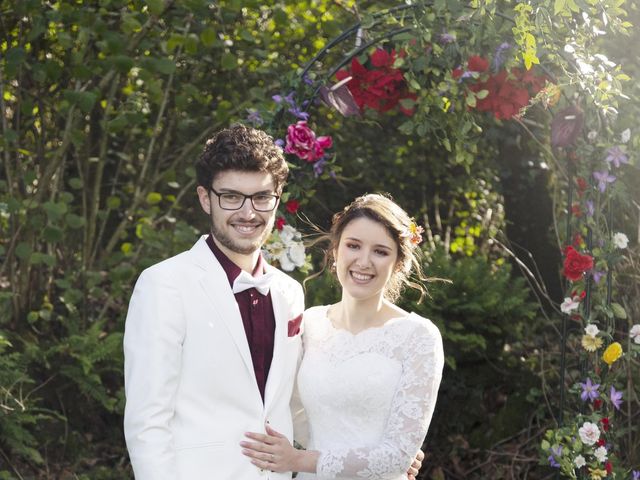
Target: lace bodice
column 368, row 397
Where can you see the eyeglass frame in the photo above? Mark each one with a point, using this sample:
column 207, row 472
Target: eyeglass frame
column 250, row 197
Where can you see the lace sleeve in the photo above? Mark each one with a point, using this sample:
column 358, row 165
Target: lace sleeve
column 413, row 403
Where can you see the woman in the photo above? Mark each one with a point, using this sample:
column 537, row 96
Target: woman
column 370, row 374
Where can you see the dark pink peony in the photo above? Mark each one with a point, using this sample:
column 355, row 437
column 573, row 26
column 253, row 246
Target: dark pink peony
column 302, row 142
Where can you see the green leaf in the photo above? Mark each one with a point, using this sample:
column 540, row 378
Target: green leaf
column 84, row 100
column 228, row 61
column 164, row 65
column 55, row 210
column 208, row 37
column 75, row 183
column 154, row 198
column 74, row 221
column 156, row 7
column 23, row 250
column 470, row 100
column 619, row 311
column 52, row 234
column 126, row 248
column 113, row 203
column 482, row 94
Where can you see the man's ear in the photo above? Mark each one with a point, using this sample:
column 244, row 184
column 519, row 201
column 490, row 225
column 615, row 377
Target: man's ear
column 205, row 199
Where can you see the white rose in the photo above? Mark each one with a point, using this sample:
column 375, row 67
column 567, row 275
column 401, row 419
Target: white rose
column 569, row 305
column 579, row 461
column 285, row 262
column 591, row 330
column 620, row 240
column 601, row 454
column 287, row 234
column 634, row 333
column 297, row 254
column 589, row 433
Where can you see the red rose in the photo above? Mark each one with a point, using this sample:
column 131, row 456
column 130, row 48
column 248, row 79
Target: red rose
column 576, row 264
column 292, row 206
column 280, row 222
column 575, row 210
column 597, row 403
column 605, row 425
column 608, row 467
column 380, row 88
column 582, row 186
column 478, row 64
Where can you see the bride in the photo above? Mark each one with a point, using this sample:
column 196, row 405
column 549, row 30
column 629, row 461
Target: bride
column 370, row 374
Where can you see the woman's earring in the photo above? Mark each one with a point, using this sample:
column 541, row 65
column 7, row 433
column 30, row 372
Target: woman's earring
column 333, row 266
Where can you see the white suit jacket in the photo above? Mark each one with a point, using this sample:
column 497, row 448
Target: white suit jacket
column 191, row 391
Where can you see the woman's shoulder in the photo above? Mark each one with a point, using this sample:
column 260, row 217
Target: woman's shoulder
column 420, row 326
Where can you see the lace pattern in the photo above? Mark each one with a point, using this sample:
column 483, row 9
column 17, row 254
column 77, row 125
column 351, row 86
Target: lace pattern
column 369, row 397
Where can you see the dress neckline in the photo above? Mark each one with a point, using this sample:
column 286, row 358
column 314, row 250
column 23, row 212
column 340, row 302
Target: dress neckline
column 367, row 329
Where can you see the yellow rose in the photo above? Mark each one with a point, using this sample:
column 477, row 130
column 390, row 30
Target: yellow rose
column 612, row 353
column 597, row 474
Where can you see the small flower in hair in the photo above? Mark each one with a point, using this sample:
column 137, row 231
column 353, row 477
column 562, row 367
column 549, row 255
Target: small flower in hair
column 413, row 232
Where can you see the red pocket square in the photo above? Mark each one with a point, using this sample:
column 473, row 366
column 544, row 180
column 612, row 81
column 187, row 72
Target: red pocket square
column 294, row 326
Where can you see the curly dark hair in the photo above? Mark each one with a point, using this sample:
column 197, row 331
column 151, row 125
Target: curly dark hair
column 241, row 148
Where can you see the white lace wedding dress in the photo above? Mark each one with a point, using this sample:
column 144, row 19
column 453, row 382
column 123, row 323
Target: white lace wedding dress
column 368, row 397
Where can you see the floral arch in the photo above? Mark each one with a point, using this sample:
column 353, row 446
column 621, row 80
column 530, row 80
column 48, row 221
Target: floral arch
column 449, row 71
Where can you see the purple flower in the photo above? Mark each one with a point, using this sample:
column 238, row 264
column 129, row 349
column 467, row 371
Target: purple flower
column 616, row 398
column 296, row 112
column 555, row 452
column 307, row 80
column 254, row 117
column 318, row 167
column 636, row 474
column 280, row 142
column 590, row 208
column 616, row 156
column 589, row 390
column 597, row 275
column 447, row 38
column 603, row 178
column 498, row 56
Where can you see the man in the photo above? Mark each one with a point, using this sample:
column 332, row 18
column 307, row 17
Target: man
column 212, row 336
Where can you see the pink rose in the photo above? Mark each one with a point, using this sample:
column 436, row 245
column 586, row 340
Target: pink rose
column 302, row 142
column 321, row 144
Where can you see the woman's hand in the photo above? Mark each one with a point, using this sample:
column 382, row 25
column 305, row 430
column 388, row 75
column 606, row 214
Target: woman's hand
column 274, row 452
column 414, row 469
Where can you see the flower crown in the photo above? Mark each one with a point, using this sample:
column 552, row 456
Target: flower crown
column 413, row 233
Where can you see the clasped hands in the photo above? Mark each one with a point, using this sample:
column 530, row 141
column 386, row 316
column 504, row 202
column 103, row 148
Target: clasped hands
column 273, row 451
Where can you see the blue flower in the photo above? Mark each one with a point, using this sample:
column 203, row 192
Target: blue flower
column 498, row 56
column 556, row 452
column 616, row 156
column 589, row 390
column 318, row 167
column 254, row 117
column 603, row 178
column 616, row 398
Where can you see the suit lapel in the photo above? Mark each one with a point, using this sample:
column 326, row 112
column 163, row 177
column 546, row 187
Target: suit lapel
column 281, row 312
column 216, row 288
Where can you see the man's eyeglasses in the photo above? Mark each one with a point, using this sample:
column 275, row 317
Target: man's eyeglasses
column 261, row 202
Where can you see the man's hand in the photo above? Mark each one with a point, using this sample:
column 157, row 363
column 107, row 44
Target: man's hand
column 415, row 466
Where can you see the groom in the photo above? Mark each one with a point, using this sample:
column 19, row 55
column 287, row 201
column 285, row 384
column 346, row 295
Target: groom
column 212, row 336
